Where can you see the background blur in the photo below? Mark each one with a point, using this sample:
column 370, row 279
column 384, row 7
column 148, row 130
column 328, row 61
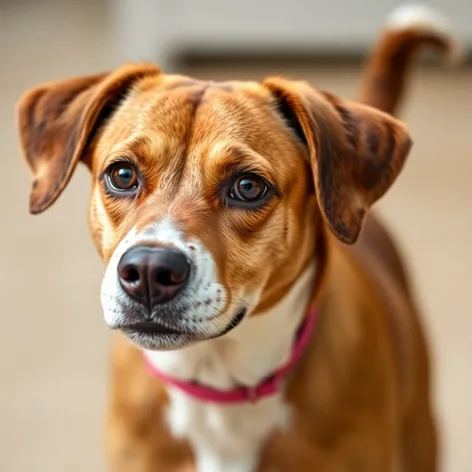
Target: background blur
column 53, row 348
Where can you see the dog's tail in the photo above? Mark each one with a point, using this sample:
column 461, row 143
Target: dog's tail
column 409, row 29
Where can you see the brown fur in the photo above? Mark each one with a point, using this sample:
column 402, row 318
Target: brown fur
column 361, row 393
column 387, row 69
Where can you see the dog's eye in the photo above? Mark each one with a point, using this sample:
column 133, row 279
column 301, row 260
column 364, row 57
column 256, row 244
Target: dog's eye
column 248, row 188
column 123, row 177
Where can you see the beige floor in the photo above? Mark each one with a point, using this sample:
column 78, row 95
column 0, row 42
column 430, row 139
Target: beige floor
column 53, row 346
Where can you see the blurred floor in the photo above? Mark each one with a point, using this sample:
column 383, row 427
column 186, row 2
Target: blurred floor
column 54, row 344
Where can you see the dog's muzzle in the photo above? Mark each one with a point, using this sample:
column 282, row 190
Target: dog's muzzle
column 163, row 296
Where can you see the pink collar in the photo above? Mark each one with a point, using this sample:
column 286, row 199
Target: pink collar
column 269, row 386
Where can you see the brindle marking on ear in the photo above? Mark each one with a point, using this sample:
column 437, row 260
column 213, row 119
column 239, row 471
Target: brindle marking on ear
column 350, row 124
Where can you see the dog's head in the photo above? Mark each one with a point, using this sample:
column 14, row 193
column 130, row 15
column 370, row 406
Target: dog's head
column 207, row 197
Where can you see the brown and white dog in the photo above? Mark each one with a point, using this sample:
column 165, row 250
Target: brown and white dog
column 226, row 213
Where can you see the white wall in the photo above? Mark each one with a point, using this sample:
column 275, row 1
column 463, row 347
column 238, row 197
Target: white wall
column 156, row 29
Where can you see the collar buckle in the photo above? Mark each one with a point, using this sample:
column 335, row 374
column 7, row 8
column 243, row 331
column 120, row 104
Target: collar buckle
column 252, row 394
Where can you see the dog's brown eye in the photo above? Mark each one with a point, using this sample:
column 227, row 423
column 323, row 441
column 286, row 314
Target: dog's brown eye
column 123, row 177
column 248, row 188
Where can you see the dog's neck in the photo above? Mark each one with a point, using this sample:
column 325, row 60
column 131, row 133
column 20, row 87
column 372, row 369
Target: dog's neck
column 253, row 350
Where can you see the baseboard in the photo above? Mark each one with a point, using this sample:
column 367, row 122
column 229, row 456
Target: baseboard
column 230, row 57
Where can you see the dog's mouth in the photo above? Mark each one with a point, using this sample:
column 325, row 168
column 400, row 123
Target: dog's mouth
column 150, row 329
column 155, row 335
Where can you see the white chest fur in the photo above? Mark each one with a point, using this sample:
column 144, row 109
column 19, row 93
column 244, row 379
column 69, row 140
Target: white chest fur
column 229, row 438
column 226, row 438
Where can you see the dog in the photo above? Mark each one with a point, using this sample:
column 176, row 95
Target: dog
column 273, row 330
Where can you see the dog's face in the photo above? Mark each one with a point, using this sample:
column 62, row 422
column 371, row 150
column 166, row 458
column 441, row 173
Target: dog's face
column 207, row 197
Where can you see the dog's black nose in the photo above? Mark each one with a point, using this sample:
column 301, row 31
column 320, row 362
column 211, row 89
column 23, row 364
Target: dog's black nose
column 153, row 275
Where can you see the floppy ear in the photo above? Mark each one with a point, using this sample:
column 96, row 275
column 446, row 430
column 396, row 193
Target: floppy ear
column 57, row 122
column 356, row 152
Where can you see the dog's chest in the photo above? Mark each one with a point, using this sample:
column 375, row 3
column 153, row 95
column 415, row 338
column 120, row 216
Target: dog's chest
column 226, row 438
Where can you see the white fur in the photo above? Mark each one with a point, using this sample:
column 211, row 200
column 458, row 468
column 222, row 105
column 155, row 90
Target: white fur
column 420, row 17
column 229, row 437
column 427, row 19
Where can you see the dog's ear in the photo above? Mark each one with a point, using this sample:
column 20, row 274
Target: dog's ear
column 356, row 152
column 57, row 122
